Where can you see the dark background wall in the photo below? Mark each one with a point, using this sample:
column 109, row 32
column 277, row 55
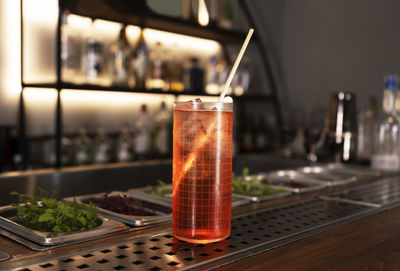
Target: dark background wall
column 320, row 46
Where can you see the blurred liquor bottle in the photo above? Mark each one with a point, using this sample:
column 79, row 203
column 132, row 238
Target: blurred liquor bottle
column 212, row 86
column 193, row 76
column 124, row 145
column 386, row 142
column 83, row 148
column 162, row 132
column 366, row 123
column 141, row 63
column 142, row 133
column 223, row 71
column 102, row 147
column 175, row 71
column 94, row 57
column 121, row 53
column 70, row 51
column 226, row 15
column 156, row 78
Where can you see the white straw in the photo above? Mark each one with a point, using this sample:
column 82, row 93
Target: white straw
column 235, row 65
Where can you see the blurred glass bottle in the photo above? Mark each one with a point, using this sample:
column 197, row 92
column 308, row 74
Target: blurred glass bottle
column 93, row 57
column 157, row 68
column 175, row 71
column 193, row 76
column 142, row 133
column 214, row 11
column 212, row 86
column 386, row 142
column 223, row 71
column 102, row 149
column 243, row 74
column 124, row 146
column 67, row 150
column 226, row 18
column 49, row 147
column 83, row 148
column 366, row 122
column 141, row 63
column 162, row 132
column 120, row 59
column 70, row 51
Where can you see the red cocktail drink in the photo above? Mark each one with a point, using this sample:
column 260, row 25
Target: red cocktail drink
column 202, row 171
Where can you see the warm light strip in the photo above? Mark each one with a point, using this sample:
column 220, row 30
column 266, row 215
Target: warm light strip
column 110, row 99
column 185, row 43
column 40, row 95
column 40, row 10
column 10, row 55
column 107, row 27
column 79, row 21
column 133, row 33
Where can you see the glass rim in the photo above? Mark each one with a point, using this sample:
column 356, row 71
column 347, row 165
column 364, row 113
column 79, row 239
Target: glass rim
column 209, row 106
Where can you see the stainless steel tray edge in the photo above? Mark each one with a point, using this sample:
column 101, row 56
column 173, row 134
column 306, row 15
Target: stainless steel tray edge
column 107, row 227
column 127, row 219
column 316, row 185
column 277, row 195
column 140, row 194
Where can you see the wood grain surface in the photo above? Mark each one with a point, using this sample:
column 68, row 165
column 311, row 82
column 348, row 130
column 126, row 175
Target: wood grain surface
column 372, row 243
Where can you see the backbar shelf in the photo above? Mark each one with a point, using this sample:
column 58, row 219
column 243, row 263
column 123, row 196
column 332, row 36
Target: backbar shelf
column 127, row 13
column 90, row 87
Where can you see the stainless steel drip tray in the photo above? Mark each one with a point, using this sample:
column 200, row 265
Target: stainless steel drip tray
column 379, row 193
column 251, row 233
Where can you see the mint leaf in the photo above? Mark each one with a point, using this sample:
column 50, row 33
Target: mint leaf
column 46, row 217
column 44, row 213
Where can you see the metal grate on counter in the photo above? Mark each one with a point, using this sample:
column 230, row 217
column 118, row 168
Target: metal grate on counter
column 380, row 193
column 251, row 233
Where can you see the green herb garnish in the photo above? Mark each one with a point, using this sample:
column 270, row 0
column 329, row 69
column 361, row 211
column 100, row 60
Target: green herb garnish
column 251, row 187
column 159, row 190
column 46, row 214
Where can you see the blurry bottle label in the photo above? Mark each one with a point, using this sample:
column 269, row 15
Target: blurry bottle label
column 245, row 81
column 94, row 58
column 141, row 143
column 69, row 52
column 141, row 65
column 82, row 157
column 157, row 68
column 385, row 162
column 120, row 68
column 124, row 153
column 102, row 153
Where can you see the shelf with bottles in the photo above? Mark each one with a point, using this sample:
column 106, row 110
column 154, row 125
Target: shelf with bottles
column 146, row 134
column 136, row 13
column 107, row 56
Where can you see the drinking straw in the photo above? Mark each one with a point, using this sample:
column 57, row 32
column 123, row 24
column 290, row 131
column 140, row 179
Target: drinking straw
column 235, row 65
column 202, row 140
